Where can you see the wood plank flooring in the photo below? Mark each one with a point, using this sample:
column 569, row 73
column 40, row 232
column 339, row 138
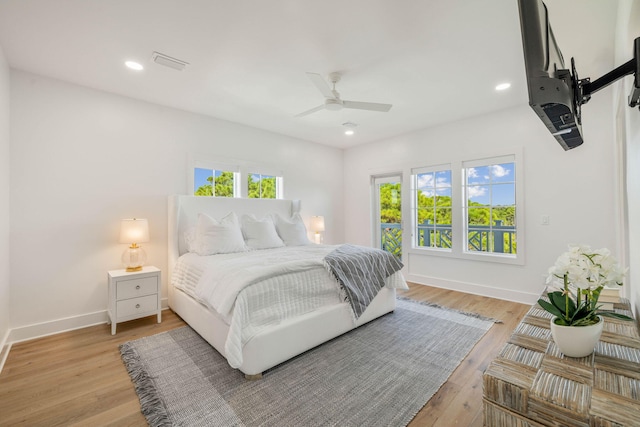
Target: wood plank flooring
column 77, row 378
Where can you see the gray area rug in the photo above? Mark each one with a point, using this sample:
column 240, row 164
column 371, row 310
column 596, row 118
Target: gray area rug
column 380, row 374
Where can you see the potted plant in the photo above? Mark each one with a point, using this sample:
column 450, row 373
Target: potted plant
column 575, row 282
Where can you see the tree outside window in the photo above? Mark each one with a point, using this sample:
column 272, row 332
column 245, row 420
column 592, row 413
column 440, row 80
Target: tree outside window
column 433, row 209
column 262, row 186
column 490, row 194
column 211, row 182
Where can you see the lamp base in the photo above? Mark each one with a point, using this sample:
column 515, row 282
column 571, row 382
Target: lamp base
column 133, row 258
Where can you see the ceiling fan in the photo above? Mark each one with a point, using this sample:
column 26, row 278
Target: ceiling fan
column 332, row 100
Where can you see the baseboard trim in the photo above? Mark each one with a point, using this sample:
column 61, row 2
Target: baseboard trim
column 43, row 329
column 475, row 289
column 58, row 326
column 5, row 347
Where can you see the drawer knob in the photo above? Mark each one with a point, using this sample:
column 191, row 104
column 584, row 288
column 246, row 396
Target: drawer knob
column 137, row 305
column 138, row 287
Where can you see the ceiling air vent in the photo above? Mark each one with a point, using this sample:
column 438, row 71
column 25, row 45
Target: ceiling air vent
column 167, row 61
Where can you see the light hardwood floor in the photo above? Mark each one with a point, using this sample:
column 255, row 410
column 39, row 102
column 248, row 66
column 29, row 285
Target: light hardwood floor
column 77, row 378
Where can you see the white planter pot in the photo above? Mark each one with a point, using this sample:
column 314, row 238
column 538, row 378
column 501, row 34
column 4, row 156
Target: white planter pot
column 576, row 341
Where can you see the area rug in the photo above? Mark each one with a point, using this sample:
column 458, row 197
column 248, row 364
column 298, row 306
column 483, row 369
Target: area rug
column 380, row 374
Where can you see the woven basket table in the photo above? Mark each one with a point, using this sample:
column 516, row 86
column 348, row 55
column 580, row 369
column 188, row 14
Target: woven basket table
column 531, row 383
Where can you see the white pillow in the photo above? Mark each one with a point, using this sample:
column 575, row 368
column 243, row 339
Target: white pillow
column 292, row 231
column 190, row 239
column 218, row 237
column 260, row 233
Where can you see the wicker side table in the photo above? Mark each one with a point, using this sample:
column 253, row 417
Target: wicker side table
column 532, row 384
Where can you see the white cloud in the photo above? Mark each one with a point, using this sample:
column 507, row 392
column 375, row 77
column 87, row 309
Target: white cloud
column 476, row 191
column 425, row 181
column 498, row 171
column 443, row 182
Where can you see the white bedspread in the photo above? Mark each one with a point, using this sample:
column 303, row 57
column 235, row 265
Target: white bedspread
column 258, row 289
column 228, row 275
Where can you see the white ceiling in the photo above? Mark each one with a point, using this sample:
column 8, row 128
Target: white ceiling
column 436, row 61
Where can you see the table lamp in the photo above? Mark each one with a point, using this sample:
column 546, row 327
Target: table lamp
column 317, row 226
column 134, row 231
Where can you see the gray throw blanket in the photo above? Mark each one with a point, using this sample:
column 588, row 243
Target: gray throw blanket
column 361, row 272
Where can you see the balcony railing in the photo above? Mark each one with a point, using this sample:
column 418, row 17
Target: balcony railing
column 480, row 238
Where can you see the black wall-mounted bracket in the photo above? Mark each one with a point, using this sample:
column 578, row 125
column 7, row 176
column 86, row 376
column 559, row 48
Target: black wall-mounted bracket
column 586, row 87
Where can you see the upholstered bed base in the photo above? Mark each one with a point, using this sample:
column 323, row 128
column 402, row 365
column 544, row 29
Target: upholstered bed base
column 284, row 341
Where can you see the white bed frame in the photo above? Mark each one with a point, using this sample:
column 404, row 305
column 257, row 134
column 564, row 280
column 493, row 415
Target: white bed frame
column 281, row 342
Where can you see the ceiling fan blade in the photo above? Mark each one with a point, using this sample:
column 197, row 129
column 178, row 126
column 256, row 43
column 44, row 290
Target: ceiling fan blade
column 372, row 106
column 321, row 84
column 313, row 110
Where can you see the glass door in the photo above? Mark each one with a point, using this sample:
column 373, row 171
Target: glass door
column 387, row 222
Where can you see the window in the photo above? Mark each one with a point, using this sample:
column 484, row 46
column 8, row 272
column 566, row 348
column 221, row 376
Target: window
column 264, row 186
column 489, row 188
column 469, row 209
column 432, row 207
column 387, row 198
column 213, row 182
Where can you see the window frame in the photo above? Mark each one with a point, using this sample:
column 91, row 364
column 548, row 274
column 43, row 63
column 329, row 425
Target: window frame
column 458, row 218
column 214, row 166
column 487, row 162
column 415, row 232
column 236, row 183
column 240, row 170
column 278, row 183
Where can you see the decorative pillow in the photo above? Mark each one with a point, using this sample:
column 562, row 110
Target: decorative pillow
column 260, row 233
column 218, row 237
column 190, row 239
column 292, row 231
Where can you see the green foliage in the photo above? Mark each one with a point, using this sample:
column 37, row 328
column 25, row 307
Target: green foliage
column 262, row 188
column 569, row 314
column 579, row 309
column 436, row 211
column 205, row 190
column 390, row 203
column 223, row 186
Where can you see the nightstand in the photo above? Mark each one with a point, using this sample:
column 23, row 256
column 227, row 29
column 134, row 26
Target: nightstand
column 133, row 295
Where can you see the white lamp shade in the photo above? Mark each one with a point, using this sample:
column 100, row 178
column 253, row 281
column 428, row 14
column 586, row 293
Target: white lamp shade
column 317, row 224
column 134, row 230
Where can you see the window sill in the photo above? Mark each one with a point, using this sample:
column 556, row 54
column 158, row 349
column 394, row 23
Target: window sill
column 480, row 256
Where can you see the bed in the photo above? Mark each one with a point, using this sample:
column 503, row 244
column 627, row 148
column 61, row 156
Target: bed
column 276, row 342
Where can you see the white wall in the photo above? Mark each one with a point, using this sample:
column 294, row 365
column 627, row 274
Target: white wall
column 629, row 135
column 82, row 159
column 574, row 188
column 4, row 201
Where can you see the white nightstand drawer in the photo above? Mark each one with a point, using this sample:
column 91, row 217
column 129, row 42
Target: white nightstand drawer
column 136, row 287
column 133, row 306
column 134, row 294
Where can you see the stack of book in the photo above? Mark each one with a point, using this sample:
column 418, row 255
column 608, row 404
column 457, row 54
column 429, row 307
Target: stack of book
column 608, row 297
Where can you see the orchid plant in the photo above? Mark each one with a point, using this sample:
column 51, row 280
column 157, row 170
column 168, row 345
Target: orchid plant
column 575, row 282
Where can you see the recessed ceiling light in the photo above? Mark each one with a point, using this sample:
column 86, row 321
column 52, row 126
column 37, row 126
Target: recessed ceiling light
column 350, row 128
column 134, row 65
column 503, row 86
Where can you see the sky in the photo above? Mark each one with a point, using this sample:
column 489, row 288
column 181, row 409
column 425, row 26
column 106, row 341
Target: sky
column 200, row 177
column 490, row 185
